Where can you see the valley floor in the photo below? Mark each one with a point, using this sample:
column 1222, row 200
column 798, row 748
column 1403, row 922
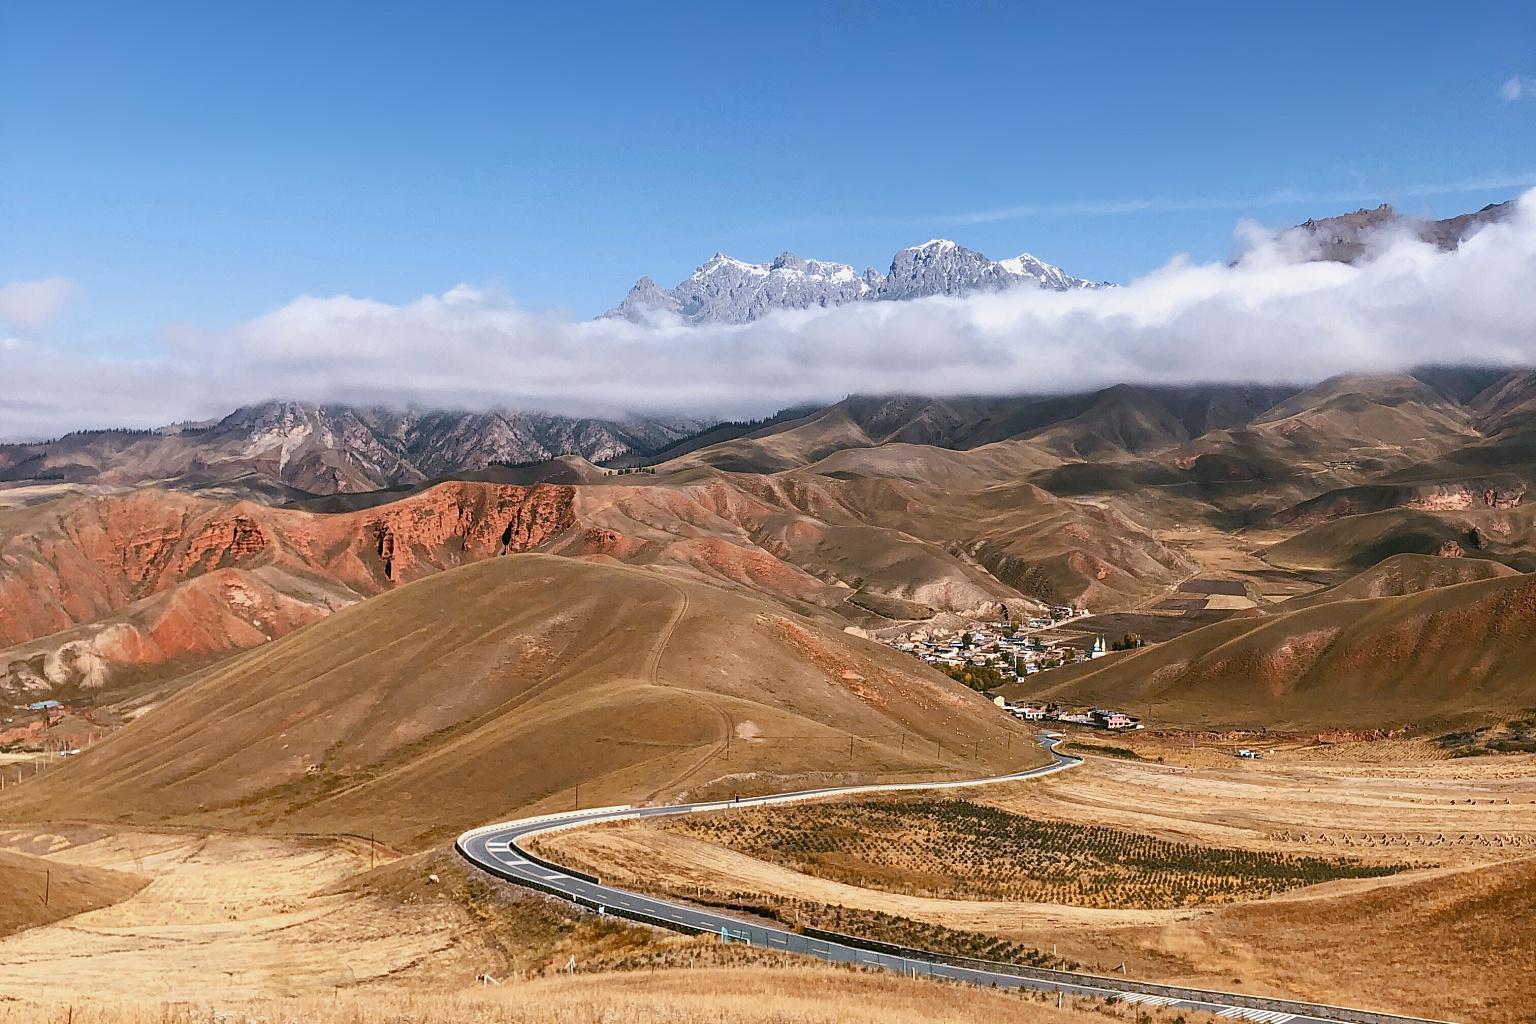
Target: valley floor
column 1445, row 937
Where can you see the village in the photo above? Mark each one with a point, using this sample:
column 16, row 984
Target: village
column 986, row 656
column 36, row 736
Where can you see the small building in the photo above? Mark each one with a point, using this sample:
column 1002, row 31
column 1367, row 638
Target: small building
column 1107, row 719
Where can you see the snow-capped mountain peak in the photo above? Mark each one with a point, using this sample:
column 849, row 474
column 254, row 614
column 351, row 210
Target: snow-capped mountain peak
column 1027, row 267
column 727, row 290
column 940, row 244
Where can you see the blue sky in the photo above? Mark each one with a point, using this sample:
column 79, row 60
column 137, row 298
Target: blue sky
column 205, row 163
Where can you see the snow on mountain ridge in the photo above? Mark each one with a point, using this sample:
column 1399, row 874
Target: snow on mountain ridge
column 728, row 290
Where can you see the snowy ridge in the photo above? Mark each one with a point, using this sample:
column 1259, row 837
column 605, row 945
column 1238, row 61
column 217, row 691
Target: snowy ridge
column 728, row 290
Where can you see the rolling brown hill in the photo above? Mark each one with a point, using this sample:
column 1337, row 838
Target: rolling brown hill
column 1358, row 542
column 999, row 540
column 870, row 512
column 1401, row 575
column 1232, row 458
column 68, row 889
column 1473, row 923
column 1113, row 423
column 98, row 594
column 1354, row 425
column 1500, row 491
column 502, row 687
column 1452, row 654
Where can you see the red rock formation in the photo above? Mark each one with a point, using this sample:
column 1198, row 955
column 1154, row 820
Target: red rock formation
column 86, row 560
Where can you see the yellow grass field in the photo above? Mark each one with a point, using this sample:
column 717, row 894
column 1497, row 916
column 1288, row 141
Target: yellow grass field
column 793, row 994
column 1447, row 938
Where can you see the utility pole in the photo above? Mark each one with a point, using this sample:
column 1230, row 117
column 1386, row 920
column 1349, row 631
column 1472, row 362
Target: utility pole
column 47, row 886
column 578, row 796
column 370, row 851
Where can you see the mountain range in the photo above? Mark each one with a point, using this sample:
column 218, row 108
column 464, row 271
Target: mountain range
column 283, row 450
column 727, row 290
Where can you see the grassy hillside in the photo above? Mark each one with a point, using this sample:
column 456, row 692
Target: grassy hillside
column 503, row 687
column 1361, row 541
column 1401, row 575
column 1472, row 924
column 1452, row 654
column 69, row 889
column 100, row 592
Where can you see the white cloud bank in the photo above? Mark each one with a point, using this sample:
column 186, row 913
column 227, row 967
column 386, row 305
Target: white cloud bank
column 1271, row 318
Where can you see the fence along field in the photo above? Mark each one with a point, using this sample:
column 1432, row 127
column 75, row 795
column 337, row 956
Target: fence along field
column 955, row 849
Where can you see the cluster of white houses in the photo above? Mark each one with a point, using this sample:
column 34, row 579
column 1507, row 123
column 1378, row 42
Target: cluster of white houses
column 1002, row 646
column 1101, row 718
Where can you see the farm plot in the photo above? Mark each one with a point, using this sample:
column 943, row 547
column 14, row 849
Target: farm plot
column 955, row 849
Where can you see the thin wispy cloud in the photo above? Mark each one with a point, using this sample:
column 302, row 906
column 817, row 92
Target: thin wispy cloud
column 1518, row 87
column 1267, row 200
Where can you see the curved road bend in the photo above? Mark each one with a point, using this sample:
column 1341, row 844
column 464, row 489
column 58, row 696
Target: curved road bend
column 495, row 849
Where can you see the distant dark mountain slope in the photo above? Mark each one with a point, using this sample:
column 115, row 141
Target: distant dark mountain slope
column 1111, row 424
column 1400, row 575
column 281, row 451
column 1347, row 238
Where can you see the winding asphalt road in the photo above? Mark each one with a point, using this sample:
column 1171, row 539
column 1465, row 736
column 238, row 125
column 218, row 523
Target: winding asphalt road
column 496, row 850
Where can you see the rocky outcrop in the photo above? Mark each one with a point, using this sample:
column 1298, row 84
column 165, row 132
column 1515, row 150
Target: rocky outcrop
column 1461, row 496
column 726, row 290
column 151, row 578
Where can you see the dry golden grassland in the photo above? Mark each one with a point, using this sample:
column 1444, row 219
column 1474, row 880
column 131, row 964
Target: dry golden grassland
column 796, row 994
column 1393, row 802
column 1449, row 941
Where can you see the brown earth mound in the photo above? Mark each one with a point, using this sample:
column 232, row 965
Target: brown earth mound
column 36, row 891
column 1401, row 575
column 1358, row 542
column 1452, row 654
column 526, row 683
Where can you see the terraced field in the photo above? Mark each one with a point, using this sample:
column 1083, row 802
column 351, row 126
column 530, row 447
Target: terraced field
column 955, row 849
